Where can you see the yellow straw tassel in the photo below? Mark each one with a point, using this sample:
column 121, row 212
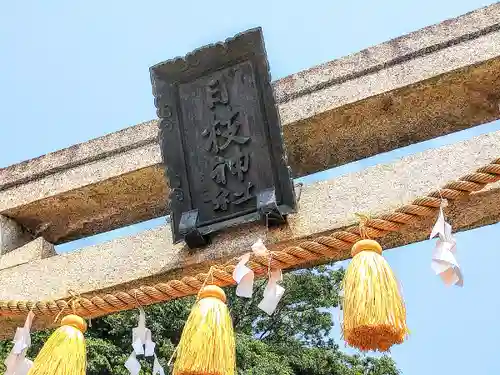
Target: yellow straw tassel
column 64, row 352
column 374, row 312
column 207, row 344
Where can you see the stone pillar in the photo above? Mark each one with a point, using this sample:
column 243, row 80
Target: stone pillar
column 17, row 246
column 12, row 235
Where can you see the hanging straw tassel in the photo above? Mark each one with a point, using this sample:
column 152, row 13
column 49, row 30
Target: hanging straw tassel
column 64, row 352
column 207, row 344
column 374, row 312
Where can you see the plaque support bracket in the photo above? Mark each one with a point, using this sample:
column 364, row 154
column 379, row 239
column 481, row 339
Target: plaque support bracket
column 189, row 230
column 269, row 211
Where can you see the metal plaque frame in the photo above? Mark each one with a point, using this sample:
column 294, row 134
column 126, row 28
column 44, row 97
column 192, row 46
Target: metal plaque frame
column 219, row 133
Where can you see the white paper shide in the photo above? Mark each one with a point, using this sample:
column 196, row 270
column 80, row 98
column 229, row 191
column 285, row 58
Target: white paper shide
column 444, row 262
column 143, row 345
column 244, row 277
column 272, row 293
column 259, row 249
column 16, row 362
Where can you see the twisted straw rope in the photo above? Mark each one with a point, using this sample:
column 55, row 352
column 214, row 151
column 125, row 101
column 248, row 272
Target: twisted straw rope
column 333, row 246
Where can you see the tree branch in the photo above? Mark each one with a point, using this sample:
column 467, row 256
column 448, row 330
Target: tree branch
column 246, row 311
column 273, row 323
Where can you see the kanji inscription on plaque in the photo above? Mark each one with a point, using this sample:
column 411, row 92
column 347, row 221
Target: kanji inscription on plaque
column 220, row 135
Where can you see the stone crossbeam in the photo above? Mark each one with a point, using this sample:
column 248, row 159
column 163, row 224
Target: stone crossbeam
column 432, row 82
column 324, row 207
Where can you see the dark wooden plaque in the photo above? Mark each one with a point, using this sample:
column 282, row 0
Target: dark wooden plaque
column 220, row 135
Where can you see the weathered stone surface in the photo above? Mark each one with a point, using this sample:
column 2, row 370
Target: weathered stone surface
column 324, row 207
column 431, row 82
column 12, row 235
column 36, row 249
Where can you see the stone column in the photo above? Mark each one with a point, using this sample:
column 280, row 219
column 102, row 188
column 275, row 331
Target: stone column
column 12, row 235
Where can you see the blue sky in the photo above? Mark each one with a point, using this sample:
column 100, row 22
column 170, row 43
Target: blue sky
column 72, row 71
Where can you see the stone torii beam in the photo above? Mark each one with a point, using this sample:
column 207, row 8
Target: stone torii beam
column 429, row 83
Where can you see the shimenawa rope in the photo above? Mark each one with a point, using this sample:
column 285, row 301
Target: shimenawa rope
column 334, row 246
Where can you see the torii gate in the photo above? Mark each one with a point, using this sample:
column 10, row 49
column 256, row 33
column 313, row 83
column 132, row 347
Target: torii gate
column 429, row 83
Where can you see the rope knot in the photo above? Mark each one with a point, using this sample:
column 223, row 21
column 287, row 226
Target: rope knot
column 363, row 220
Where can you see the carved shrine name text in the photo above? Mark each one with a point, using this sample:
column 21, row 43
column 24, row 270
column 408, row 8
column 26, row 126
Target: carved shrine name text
column 228, row 153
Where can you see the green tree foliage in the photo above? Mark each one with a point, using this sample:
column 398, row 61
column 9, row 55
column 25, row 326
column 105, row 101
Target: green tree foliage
column 295, row 340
